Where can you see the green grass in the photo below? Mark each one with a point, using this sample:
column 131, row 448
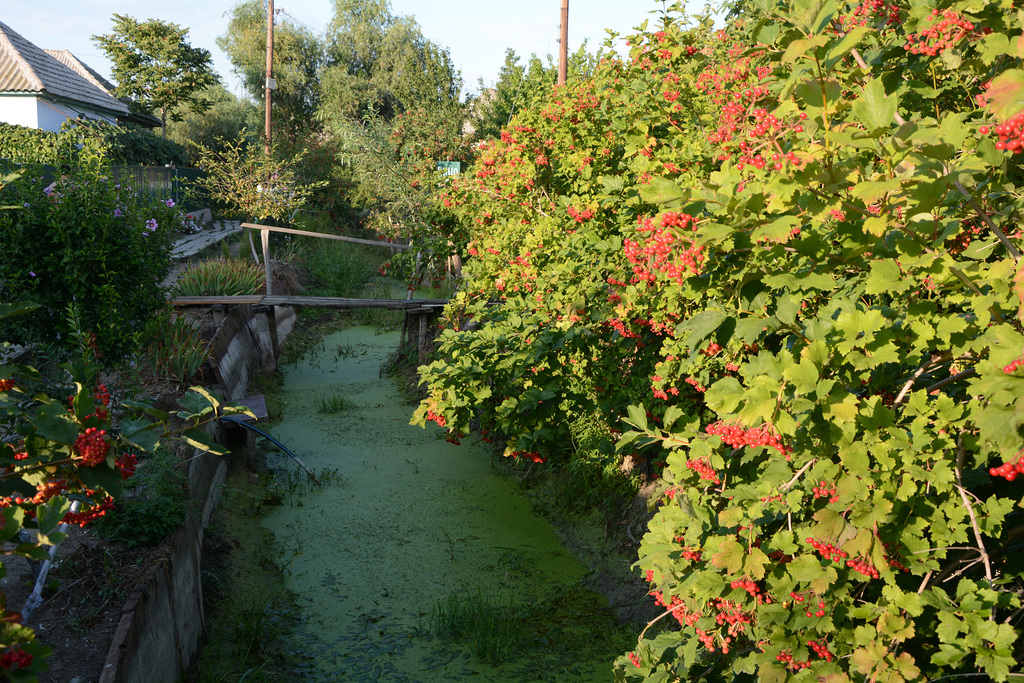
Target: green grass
column 220, row 277
column 332, row 405
column 493, row 628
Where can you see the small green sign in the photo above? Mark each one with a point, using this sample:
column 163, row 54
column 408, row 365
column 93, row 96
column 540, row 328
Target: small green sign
column 450, row 167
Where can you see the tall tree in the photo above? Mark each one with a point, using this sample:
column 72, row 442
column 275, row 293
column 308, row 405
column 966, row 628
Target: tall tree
column 298, row 59
column 155, row 67
column 382, row 63
column 519, row 86
column 228, row 118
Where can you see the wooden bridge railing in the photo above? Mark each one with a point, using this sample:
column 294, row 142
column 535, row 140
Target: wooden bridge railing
column 265, row 231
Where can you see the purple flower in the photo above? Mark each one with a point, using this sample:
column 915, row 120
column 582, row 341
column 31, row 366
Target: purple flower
column 117, row 213
column 151, row 224
column 31, row 274
column 27, row 205
column 47, row 190
column 169, row 203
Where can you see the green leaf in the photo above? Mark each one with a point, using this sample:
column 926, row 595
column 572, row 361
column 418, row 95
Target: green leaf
column 871, row 192
column 141, row 433
column 874, row 108
column 1006, row 94
column 846, row 45
column 53, row 422
column 8, row 310
column 48, row 516
column 199, row 439
column 662, row 191
column 819, row 93
column 700, row 326
column 729, row 557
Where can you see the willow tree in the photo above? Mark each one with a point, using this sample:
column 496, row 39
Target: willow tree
column 382, row 63
column 298, row 60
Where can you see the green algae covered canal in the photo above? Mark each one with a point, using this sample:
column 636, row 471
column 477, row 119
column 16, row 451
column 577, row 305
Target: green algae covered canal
column 415, row 561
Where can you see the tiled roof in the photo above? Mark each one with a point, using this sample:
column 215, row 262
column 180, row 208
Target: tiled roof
column 29, row 69
column 88, row 73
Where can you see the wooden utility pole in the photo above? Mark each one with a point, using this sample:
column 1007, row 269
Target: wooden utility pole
column 271, row 84
column 563, row 44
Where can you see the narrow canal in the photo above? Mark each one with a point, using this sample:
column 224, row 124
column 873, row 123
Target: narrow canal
column 413, row 539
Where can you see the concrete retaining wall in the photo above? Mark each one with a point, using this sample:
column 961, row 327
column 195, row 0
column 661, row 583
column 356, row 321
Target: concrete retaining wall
column 162, row 622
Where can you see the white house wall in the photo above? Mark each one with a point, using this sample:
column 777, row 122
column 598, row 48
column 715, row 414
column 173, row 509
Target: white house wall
column 35, row 112
column 19, row 110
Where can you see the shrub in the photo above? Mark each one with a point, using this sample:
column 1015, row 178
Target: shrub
column 87, row 241
column 154, row 505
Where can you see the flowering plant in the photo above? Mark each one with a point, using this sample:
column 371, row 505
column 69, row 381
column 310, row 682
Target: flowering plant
column 93, row 241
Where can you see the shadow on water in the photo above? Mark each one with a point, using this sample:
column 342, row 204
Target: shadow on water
column 418, row 563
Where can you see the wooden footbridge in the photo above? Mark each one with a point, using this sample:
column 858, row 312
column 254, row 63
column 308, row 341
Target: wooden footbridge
column 418, row 312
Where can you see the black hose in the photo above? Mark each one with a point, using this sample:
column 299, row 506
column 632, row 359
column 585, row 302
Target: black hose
column 277, row 443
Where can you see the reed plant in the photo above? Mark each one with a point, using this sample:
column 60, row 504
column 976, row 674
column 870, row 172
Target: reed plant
column 176, row 350
column 220, row 277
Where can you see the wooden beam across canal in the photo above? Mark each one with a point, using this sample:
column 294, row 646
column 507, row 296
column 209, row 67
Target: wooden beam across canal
column 338, row 303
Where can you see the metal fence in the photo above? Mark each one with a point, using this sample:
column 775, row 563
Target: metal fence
column 162, row 182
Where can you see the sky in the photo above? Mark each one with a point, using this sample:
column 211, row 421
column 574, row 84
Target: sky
column 477, row 32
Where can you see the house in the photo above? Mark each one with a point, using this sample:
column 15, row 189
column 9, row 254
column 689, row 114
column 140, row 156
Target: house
column 44, row 88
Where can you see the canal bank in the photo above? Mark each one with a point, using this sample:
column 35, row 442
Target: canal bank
column 415, row 561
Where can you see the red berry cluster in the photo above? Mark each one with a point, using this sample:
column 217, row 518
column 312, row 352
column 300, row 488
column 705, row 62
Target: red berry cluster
column 871, row 12
column 533, row 456
column 634, row 659
column 703, row 470
column 434, row 417
column 820, row 612
column 950, row 30
column 6, row 384
column 1014, row 366
column 15, row 657
column 760, row 133
column 102, row 396
column 694, row 555
column 826, row 489
column 711, row 349
column 827, row 550
column 83, row 517
column 893, row 557
column 821, row 649
column 862, row 565
column 665, row 249
column 1010, row 132
column 1010, row 469
column 786, row 658
column 736, row 436
column 454, row 438
column 752, row 589
column 92, row 446
column 126, row 464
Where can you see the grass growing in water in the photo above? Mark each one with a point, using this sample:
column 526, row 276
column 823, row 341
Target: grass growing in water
column 332, row 405
column 493, row 628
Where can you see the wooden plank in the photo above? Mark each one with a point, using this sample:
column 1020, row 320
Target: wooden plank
column 341, row 238
column 345, row 303
column 215, row 300
column 312, row 302
column 257, row 404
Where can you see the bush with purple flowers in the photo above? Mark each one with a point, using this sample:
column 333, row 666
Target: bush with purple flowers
column 89, row 241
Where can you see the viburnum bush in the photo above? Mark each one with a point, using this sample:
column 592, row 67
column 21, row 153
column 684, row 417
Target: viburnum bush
column 786, row 254
column 62, row 462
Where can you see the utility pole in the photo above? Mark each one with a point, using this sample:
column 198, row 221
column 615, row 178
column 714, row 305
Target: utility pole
column 271, row 83
column 563, row 44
